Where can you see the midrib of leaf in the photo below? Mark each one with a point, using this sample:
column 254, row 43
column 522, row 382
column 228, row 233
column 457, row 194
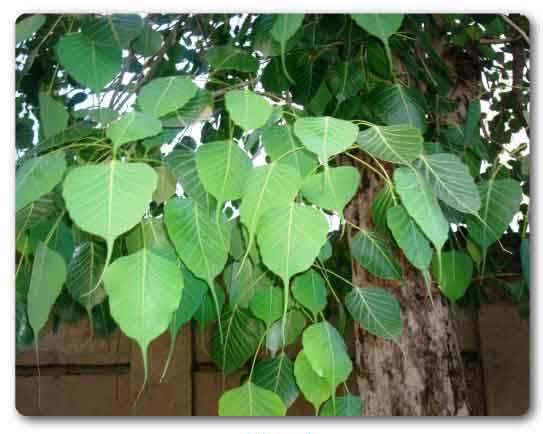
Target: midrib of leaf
column 293, row 147
column 387, row 144
column 400, row 91
column 227, row 171
column 276, row 386
column 201, row 245
column 142, row 287
column 110, row 204
column 161, row 97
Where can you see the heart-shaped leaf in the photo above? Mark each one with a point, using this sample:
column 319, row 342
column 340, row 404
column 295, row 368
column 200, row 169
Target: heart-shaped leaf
column 277, row 375
column 267, row 304
column 382, row 26
column 133, row 126
column 314, row 388
column 53, row 116
column 26, row 27
column 454, row 273
column 165, row 94
column 247, row 109
column 309, row 290
column 347, row 405
column 251, row 400
column 395, row 143
column 115, row 30
column 373, row 253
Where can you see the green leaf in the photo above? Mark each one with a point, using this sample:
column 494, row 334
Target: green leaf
column 409, row 237
column 327, row 353
column 116, row 196
column 325, row 136
column 294, row 325
column 332, row 189
column 34, row 213
column 272, row 185
column 148, row 42
column 230, row 58
column 290, row 238
column 373, row 253
column 267, row 304
column 133, row 126
column 472, row 122
column 150, row 233
column 251, row 400
column 396, row 143
column 347, row 405
column 454, row 273
column 397, row 105
column 314, row 388
column 198, row 108
column 243, row 280
column 500, row 202
column 164, row 95
column 345, row 79
column 525, row 259
column 167, row 136
column 115, row 30
column 223, row 169
column 104, row 324
column 90, row 64
column 421, row 203
column 242, row 333
column 377, row 311
column 247, row 109
column 207, row 312
column 103, row 115
column 26, row 27
column 382, row 26
column 451, row 181
column 309, row 290
column 277, row 375
column 285, row 26
column 382, row 202
column 193, row 294
column 166, row 184
column 281, row 145
column 84, row 272
column 48, row 276
column 144, row 290
column 201, row 243
column 38, row 176
column 53, row 116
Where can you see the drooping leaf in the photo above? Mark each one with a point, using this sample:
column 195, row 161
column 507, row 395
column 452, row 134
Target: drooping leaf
column 53, row 116
column 247, row 109
column 290, row 238
column 133, row 126
column 251, row 400
column 314, row 388
column 332, row 189
column 223, row 169
column 421, row 203
column 194, row 290
column 382, row 202
column 281, row 145
column 90, row 64
column 116, row 30
column 207, row 312
column 500, row 201
column 409, row 237
column 325, row 136
column 230, row 58
column 116, row 196
column 277, row 375
column 284, row 27
column 37, row 176
column 48, row 276
column 382, row 26
column 451, row 181
column 34, row 213
column 309, row 290
column 148, row 42
column 26, row 27
column 395, row 143
column 150, row 234
column 326, row 351
column 242, row 333
column 164, row 95
column 144, row 290
column 294, row 324
column 166, row 184
column 267, row 304
column 373, row 253
column 454, row 274
column 346, row 79
column 243, row 280
column 376, row 310
column 346, row 405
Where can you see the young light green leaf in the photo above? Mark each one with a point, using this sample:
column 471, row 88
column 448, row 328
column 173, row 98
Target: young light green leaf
column 451, row 181
column 164, row 95
column 247, row 109
column 332, row 189
column 326, row 351
column 454, row 273
column 251, row 400
column 373, row 253
column 409, row 237
column 500, row 201
column 421, row 203
column 377, row 311
column 290, row 238
column 267, row 304
column 395, row 143
column 309, row 290
column 314, row 388
column 325, row 136
column 346, row 405
column 90, row 64
column 116, row 196
column 48, row 276
column 223, row 169
column 36, row 177
column 53, row 116
column 277, row 375
column 382, row 26
column 133, row 126
column 26, row 27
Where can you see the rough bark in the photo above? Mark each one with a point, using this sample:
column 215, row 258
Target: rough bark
column 424, row 374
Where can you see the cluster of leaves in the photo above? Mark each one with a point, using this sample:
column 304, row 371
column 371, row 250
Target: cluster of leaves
column 186, row 167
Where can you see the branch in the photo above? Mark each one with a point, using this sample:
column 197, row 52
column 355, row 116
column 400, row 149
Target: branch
column 517, row 28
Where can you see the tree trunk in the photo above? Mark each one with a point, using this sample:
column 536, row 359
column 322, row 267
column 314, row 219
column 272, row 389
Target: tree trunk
column 424, row 375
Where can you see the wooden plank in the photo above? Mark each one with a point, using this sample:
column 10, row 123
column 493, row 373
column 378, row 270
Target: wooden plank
column 70, row 345
column 208, row 388
column 172, row 396
column 505, row 344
